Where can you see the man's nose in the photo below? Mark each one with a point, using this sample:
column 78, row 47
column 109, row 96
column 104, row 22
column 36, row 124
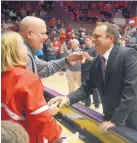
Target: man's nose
column 93, row 40
column 45, row 37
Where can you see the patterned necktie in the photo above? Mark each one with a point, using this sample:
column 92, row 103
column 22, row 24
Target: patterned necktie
column 103, row 66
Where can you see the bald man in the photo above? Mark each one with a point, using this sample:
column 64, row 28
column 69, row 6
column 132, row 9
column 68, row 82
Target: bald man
column 33, row 30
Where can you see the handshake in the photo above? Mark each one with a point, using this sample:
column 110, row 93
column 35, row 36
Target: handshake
column 78, row 57
column 56, row 103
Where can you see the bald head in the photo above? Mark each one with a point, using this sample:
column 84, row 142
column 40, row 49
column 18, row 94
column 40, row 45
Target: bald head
column 29, row 22
column 33, row 30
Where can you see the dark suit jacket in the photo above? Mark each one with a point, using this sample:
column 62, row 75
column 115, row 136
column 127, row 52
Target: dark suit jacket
column 85, row 68
column 119, row 92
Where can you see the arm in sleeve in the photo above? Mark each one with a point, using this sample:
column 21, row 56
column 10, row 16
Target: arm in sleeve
column 46, row 69
column 129, row 95
column 83, row 92
column 41, row 122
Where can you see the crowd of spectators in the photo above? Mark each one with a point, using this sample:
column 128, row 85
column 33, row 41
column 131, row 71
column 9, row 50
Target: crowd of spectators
column 99, row 10
column 58, row 42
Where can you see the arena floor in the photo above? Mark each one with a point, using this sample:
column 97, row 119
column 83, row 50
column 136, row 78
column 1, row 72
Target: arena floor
column 58, row 82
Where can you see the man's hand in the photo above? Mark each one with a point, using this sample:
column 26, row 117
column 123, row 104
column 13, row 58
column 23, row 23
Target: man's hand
column 105, row 125
column 60, row 101
column 74, row 57
column 53, row 109
column 87, row 56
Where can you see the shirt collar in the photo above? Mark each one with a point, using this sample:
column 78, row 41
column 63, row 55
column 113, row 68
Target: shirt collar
column 75, row 49
column 107, row 53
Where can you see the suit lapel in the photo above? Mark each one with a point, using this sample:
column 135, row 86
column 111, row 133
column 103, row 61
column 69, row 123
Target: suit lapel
column 110, row 62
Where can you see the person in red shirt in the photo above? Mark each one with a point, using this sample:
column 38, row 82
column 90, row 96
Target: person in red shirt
column 62, row 36
column 22, row 98
column 57, row 44
column 52, row 22
column 69, row 28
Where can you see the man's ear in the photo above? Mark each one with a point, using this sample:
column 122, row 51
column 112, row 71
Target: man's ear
column 112, row 38
column 29, row 33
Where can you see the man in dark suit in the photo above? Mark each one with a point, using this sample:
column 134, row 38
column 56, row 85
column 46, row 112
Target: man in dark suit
column 117, row 82
column 85, row 70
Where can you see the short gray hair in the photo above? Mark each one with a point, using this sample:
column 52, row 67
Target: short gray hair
column 75, row 40
column 112, row 29
column 88, row 37
column 12, row 132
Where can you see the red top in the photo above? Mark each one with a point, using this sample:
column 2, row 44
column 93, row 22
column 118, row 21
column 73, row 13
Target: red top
column 22, row 101
column 52, row 22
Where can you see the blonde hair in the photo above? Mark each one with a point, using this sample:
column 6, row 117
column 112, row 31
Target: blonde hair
column 10, row 55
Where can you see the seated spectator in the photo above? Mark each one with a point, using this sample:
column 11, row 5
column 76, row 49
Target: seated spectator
column 12, row 15
column 28, row 8
column 5, row 25
column 42, row 14
column 69, row 35
column 57, row 44
column 22, row 97
column 12, row 132
column 23, row 11
column 52, row 23
column 59, row 24
column 93, row 6
column 69, row 28
column 62, row 36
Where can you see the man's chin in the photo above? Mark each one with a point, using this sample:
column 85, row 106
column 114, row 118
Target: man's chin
column 97, row 49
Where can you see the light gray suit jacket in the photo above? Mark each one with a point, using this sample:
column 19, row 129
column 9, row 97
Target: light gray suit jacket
column 41, row 67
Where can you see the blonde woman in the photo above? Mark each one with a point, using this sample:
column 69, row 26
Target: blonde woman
column 22, row 93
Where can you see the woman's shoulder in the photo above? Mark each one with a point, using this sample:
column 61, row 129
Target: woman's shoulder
column 21, row 73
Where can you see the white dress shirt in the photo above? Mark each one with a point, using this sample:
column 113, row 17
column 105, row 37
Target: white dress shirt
column 106, row 55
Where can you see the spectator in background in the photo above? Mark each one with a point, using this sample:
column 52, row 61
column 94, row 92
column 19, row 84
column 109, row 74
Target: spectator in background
column 81, row 38
column 69, row 36
column 69, row 28
column 51, row 52
column 59, row 24
column 63, row 50
column 52, row 23
column 23, row 11
column 45, row 52
column 62, row 36
column 85, row 70
column 28, row 7
column 12, row 15
column 39, row 53
column 56, row 44
column 12, row 132
column 73, row 72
